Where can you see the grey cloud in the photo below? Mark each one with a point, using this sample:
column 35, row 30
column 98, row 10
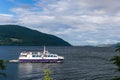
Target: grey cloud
column 87, row 21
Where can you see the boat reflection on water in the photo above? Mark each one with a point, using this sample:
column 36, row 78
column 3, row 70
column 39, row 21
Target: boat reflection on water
column 34, row 71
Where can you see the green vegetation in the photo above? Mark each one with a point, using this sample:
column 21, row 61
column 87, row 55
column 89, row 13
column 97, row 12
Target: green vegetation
column 118, row 48
column 116, row 61
column 116, row 79
column 47, row 75
column 2, row 67
column 17, row 35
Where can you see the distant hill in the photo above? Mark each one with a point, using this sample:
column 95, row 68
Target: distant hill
column 108, row 45
column 15, row 35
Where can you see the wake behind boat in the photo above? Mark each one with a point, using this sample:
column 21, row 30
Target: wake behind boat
column 45, row 56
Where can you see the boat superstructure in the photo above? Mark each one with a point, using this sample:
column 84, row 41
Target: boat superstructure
column 45, row 56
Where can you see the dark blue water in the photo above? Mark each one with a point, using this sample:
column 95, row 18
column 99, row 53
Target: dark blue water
column 81, row 63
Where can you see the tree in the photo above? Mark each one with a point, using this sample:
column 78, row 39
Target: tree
column 118, row 48
column 116, row 61
column 2, row 67
column 47, row 75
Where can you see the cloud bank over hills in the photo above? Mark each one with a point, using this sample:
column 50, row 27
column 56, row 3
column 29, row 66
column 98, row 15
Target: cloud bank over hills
column 80, row 22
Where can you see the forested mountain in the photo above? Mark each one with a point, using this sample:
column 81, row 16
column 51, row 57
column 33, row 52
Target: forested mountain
column 18, row 35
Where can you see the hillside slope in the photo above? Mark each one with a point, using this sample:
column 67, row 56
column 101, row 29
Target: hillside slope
column 18, row 35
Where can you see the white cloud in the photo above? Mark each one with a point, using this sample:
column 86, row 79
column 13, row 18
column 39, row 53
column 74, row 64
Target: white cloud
column 109, row 41
column 7, row 18
column 92, row 42
column 87, row 21
column 35, row 19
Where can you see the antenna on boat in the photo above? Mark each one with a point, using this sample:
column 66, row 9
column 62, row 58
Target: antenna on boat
column 44, row 49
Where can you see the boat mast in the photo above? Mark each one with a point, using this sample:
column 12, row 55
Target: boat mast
column 44, row 50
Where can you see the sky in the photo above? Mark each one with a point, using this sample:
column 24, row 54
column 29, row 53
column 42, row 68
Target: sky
column 80, row 22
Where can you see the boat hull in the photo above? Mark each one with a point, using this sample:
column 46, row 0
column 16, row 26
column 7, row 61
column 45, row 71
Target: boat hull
column 40, row 60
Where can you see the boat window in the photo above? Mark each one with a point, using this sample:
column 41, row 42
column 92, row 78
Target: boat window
column 55, row 56
column 48, row 55
column 23, row 56
column 39, row 55
column 51, row 55
column 33, row 55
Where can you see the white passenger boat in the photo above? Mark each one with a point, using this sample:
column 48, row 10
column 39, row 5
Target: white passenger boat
column 45, row 56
